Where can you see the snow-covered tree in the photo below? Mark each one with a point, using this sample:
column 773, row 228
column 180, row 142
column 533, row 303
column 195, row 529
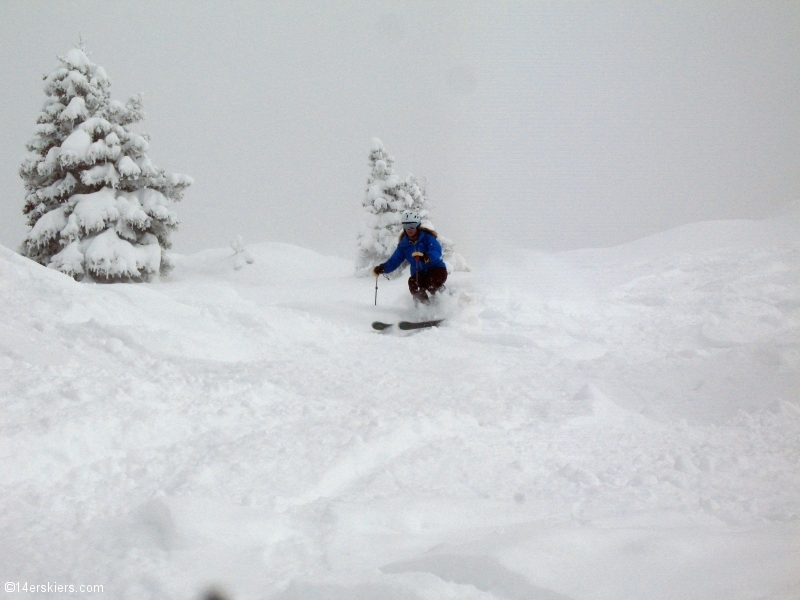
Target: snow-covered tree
column 385, row 200
column 95, row 203
column 240, row 253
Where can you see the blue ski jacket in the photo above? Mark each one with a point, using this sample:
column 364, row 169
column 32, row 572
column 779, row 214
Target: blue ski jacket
column 426, row 243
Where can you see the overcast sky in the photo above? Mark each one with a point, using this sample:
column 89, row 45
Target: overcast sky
column 548, row 125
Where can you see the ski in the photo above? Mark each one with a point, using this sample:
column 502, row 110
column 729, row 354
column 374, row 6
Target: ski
column 406, row 325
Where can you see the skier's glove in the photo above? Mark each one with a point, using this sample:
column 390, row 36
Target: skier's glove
column 378, row 270
column 421, row 256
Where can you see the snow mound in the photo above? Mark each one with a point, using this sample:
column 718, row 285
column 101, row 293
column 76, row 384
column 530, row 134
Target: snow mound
column 273, row 262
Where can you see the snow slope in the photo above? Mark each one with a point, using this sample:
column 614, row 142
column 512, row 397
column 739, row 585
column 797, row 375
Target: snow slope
column 617, row 423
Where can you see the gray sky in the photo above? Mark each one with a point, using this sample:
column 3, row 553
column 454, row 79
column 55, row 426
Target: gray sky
column 549, row 125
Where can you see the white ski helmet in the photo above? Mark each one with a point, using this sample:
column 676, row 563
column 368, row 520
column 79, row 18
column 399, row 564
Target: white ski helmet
column 411, row 218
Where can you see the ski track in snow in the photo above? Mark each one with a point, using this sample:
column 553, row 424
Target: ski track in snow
column 615, row 423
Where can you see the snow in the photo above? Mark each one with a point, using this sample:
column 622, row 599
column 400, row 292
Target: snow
column 179, row 179
column 77, row 59
column 59, row 188
column 616, row 423
column 104, row 173
column 98, row 126
column 69, row 260
column 111, row 256
column 73, row 149
column 127, row 167
column 147, row 166
column 76, row 109
column 48, row 226
column 99, row 151
column 92, row 211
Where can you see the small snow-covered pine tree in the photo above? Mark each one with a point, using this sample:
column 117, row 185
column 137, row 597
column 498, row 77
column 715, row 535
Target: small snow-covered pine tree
column 95, row 203
column 385, row 200
column 240, row 253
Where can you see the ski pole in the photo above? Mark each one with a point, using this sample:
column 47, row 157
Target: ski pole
column 416, row 259
column 376, row 290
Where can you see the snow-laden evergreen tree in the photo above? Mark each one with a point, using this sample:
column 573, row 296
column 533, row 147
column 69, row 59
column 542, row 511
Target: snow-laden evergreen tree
column 385, row 200
column 240, row 253
column 95, row 203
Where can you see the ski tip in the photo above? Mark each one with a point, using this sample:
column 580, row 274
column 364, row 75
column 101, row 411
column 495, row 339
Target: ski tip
column 381, row 326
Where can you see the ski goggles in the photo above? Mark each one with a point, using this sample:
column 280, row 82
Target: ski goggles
column 410, row 226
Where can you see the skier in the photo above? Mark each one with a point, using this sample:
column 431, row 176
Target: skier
column 418, row 245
